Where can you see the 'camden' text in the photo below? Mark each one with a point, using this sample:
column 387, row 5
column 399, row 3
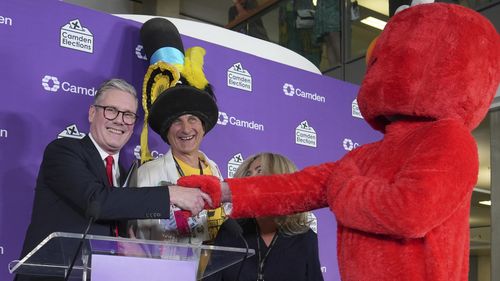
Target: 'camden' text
column 5, row 20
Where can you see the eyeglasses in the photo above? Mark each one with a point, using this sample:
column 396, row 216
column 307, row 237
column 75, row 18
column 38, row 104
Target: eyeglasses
column 111, row 113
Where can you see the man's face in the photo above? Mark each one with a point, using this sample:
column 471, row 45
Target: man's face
column 185, row 134
column 112, row 135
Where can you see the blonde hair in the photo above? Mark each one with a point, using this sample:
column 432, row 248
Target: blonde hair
column 271, row 164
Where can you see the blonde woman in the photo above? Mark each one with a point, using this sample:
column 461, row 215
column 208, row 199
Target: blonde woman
column 285, row 247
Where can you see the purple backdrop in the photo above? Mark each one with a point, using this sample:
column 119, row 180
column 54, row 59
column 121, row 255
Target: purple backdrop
column 54, row 55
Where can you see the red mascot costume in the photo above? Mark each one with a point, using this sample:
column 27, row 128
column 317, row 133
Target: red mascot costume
column 402, row 203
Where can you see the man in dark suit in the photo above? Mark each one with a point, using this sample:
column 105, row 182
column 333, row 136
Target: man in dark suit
column 73, row 176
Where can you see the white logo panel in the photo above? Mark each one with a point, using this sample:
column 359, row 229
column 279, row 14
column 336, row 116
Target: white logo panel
column 233, row 164
column 239, row 78
column 355, row 109
column 71, row 132
column 75, row 36
column 306, row 135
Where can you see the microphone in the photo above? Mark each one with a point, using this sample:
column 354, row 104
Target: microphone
column 92, row 213
column 131, row 179
column 236, row 229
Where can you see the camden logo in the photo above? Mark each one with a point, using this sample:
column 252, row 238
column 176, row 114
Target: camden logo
column 349, row 144
column 225, row 119
column 139, row 52
column 306, row 135
column 154, row 153
column 53, row 84
column 290, row 90
column 233, row 164
column 75, row 36
column 355, row 109
column 50, row 83
column 239, row 78
column 71, row 132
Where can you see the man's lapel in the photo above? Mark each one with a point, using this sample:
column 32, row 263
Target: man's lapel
column 95, row 162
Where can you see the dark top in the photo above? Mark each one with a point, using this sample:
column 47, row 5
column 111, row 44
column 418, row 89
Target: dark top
column 254, row 27
column 72, row 175
column 291, row 258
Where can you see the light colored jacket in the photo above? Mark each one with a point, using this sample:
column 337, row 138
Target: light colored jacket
column 162, row 171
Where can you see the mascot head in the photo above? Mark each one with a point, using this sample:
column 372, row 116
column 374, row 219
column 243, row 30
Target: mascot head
column 432, row 61
column 174, row 84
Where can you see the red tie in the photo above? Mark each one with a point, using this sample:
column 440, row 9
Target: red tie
column 109, row 172
column 109, row 169
column 181, row 220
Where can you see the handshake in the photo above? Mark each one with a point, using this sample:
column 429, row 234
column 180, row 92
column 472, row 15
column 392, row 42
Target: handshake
column 196, row 193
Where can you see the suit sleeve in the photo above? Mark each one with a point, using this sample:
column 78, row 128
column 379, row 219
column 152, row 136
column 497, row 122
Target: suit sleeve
column 69, row 172
column 434, row 180
column 280, row 194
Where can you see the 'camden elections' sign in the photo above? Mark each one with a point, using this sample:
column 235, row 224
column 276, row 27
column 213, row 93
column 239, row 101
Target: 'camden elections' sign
column 53, row 57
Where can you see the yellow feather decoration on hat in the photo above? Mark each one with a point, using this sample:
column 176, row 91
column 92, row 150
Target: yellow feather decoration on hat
column 159, row 77
column 193, row 67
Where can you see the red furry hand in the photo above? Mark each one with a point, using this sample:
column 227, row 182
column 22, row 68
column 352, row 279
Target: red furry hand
column 208, row 184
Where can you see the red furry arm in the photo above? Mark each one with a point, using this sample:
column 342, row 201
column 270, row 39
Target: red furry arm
column 432, row 175
column 280, row 194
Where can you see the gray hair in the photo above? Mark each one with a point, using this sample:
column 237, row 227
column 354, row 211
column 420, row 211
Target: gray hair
column 115, row 83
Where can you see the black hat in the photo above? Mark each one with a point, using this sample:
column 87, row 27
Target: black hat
column 180, row 100
column 174, row 84
column 158, row 33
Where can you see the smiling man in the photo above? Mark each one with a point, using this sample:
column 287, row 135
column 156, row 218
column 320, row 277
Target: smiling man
column 181, row 115
column 76, row 174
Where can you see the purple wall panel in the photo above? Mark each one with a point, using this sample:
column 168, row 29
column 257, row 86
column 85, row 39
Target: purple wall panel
column 46, row 87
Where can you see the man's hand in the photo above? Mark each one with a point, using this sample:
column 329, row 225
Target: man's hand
column 189, row 199
column 130, row 248
column 209, row 184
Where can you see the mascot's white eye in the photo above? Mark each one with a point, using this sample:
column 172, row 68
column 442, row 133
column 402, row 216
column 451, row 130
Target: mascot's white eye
column 418, row 2
column 413, row 3
column 400, row 8
column 179, row 82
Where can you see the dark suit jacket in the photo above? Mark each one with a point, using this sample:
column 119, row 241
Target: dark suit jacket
column 72, row 175
column 292, row 257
